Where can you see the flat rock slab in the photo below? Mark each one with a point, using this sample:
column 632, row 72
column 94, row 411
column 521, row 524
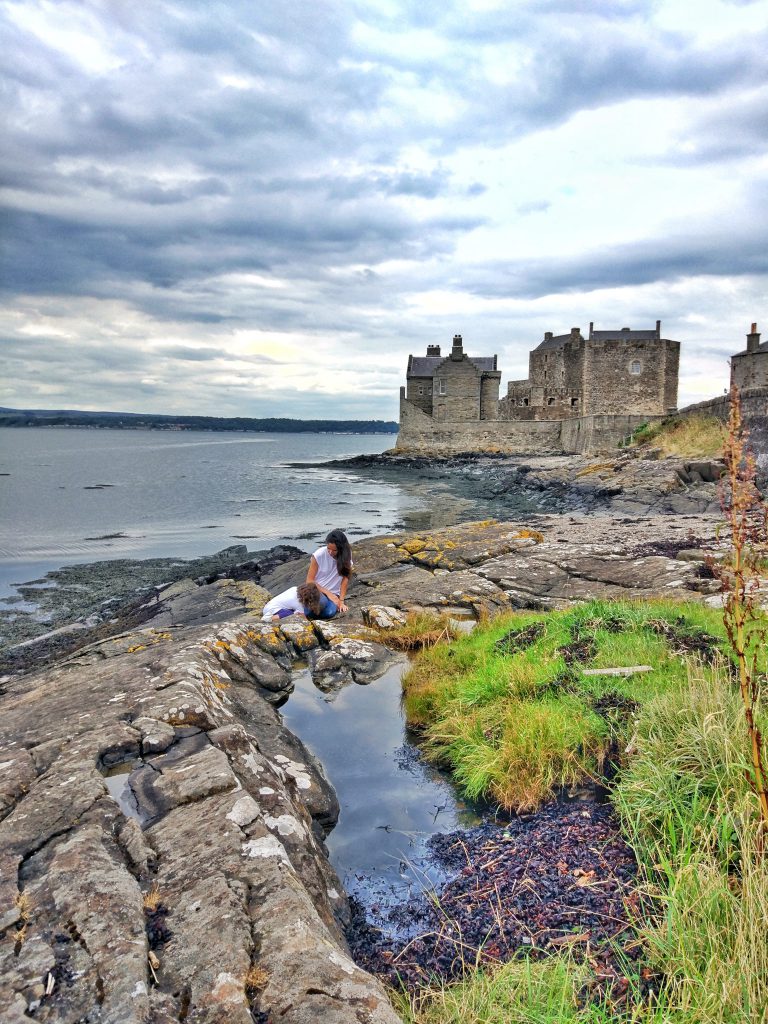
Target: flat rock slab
column 488, row 567
column 212, row 860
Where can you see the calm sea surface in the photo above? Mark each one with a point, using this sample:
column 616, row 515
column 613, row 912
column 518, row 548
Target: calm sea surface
column 66, row 492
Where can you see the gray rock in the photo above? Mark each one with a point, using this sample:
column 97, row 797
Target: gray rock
column 381, row 617
column 155, row 736
column 691, row 555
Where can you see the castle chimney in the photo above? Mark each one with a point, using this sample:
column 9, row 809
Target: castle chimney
column 548, row 336
column 433, row 350
column 625, row 330
column 457, row 352
column 591, row 327
column 753, row 339
column 658, row 328
column 575, row 332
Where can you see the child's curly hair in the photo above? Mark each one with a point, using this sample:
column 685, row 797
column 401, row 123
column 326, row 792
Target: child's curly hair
column 309, row 595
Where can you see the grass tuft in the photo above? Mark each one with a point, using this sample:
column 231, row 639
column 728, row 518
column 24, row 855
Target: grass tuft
column 152, row 899
column 692, row 437
column 256, row 979
column 422, row 629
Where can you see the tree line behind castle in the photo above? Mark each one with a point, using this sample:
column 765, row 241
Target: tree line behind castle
column 581, row 391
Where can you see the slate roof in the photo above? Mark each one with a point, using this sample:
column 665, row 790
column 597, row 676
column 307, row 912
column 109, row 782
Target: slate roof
column 550, row 343
column 425, row 366
column 623, row 335
column 760, row 348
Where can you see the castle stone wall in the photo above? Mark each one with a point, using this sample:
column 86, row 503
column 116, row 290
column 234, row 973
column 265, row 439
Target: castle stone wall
column 610, row 386
column 420, row 434
column 592, row 434
column 461, row 403
column 420, row 393
column 754, row 406
column 423, row 435
column 750, row 370
column 489, row 396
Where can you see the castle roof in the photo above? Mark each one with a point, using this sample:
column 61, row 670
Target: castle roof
column 623, row 335
column 425, row 366
column 746, row 352
column 555, row 342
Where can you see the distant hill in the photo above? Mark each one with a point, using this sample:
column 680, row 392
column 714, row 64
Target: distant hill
column 151, row 421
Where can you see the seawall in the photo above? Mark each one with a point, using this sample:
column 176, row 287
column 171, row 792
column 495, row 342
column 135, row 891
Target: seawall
column 420, row 434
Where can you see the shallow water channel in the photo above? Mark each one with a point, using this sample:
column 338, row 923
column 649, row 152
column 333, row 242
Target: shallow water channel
column 391, row 801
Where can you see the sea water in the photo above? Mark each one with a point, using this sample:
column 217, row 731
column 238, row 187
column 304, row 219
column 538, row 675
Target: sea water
column 71, row 495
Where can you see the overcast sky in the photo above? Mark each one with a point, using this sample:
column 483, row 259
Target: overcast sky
column 245, row 208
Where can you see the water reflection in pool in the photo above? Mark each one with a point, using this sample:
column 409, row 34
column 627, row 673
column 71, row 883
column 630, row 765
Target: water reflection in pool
column 391, row 802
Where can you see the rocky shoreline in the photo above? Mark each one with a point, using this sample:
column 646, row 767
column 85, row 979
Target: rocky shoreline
column 207, row 895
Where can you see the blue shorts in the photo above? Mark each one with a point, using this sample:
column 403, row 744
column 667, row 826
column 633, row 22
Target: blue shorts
column 327, row 609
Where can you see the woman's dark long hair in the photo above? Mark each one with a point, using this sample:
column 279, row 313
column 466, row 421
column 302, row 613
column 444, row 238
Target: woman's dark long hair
column 343, row 551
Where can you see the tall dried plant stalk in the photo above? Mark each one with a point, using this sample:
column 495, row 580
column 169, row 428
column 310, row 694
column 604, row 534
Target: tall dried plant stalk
column 745, row 622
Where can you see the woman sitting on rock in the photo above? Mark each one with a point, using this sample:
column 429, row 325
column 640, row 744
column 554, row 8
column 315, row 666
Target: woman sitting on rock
column 303, row 600
column 330, row 568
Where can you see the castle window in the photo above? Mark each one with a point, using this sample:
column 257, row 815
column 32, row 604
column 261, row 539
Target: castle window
column 635, row 367
column 421, row 390
column 574, row 402
column 550, row 401
column 525, row 401
column 442, row 385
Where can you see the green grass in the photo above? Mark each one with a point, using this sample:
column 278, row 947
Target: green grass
column 694, row 437
column 515, row 993
column 514, row 727
column 681, row 796
column 687, row 810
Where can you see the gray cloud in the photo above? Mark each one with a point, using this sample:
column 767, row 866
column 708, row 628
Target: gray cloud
column 322, row 150
column 734, row 128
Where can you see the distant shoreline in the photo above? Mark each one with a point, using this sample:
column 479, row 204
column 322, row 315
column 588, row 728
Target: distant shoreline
column 156, row 421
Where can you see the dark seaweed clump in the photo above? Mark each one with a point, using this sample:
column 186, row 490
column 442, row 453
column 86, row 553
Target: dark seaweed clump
column 520, row 639
column 560, row 878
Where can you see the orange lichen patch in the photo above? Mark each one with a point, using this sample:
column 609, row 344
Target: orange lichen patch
column 596, row 467
column 530, row 534
column 431, row 557
column 151, row 641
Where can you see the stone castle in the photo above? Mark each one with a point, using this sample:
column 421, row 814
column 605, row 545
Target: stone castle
column 581, row 394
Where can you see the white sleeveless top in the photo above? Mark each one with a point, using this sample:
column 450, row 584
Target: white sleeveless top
column 328, row 575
